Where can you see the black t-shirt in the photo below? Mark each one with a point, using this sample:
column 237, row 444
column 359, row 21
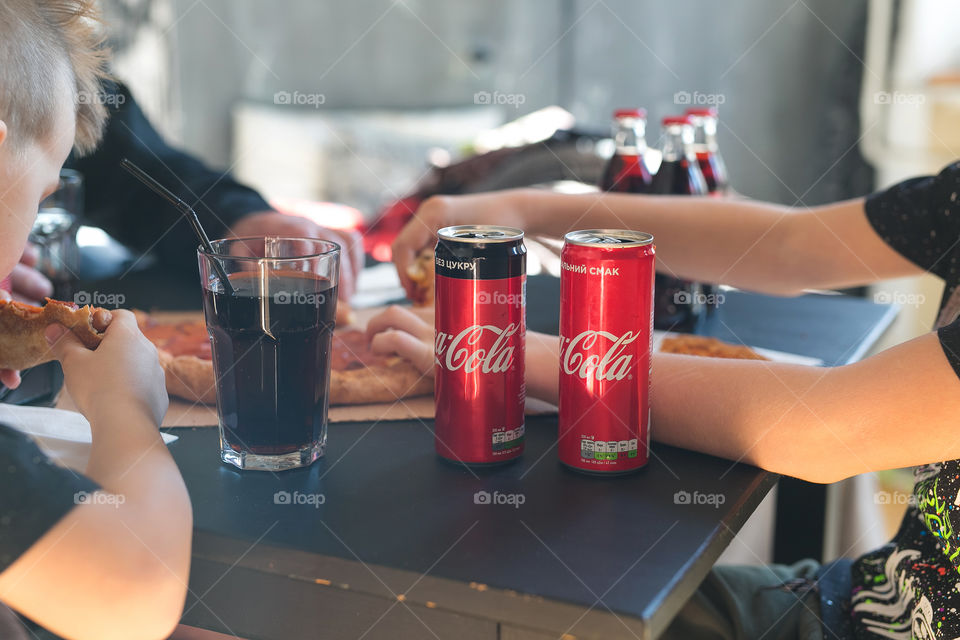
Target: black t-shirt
column 35, row 494
column 910, row 587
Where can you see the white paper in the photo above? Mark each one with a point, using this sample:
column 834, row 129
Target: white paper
column 64, row 436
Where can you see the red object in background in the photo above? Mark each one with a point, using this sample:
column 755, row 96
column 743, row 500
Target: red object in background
column 708, row 152
column 625, row 171
column 325, row 214
column 480, row 301
column 606, row 323
column 378, row 236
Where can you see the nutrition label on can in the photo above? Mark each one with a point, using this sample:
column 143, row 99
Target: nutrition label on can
column 612, row 450
column 509, row 439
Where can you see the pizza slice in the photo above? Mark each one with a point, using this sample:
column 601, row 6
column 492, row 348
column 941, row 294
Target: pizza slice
column 422, row 272
column 708, row 347
column 22, row 327
column 357, row 375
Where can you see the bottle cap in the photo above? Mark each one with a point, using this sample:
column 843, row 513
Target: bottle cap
column 630, row 113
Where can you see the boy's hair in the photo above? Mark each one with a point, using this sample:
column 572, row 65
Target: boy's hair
column 42, row 43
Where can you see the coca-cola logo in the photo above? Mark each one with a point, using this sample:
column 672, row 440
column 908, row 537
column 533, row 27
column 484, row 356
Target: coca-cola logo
column 482, row 347
column 582, row 355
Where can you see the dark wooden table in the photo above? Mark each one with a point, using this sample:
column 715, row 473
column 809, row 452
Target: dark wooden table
column 383, row 540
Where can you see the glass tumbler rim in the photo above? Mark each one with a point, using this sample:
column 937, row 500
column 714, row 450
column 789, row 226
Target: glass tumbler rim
column 334, row 249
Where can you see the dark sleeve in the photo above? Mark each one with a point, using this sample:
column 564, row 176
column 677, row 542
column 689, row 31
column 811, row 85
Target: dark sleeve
column 35, row 493
column 950, row 343
column 920, row 219
column 136, row 216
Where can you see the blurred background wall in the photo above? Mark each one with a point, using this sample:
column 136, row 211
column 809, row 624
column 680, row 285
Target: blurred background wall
column 786, row 73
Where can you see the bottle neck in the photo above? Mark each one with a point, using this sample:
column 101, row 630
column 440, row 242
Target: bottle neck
column 630, row 136
column 677, row 142
column 705, row 134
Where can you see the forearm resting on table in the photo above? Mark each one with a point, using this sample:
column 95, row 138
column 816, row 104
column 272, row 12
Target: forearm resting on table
column 895, row 409
column 118, row 565
column 753, row 245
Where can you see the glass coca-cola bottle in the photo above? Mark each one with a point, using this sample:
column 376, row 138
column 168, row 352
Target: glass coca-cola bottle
column 711, row 164
column 626, row 171
column 679, row 305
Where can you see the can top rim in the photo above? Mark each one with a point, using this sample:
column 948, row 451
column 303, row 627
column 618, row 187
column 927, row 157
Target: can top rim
column 480, row 233
column 609, row 238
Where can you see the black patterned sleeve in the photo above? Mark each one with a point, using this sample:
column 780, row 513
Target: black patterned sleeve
column 950, row 343
column 34, row 494
column 920, row 219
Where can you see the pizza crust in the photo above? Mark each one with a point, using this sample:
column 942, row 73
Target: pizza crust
column 189, row 377
column 395, row 380
column 22, row 327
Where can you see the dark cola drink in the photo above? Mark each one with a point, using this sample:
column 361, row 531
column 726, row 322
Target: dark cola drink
column 626, row 171
column 705, row 146
column 679, row 305
column 272, row 357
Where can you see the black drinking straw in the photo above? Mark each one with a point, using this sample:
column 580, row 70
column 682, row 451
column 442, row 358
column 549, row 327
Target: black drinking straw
column 187, row 212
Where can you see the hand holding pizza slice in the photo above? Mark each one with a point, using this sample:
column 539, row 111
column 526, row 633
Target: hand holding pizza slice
column 422, row 272
column 23, row 342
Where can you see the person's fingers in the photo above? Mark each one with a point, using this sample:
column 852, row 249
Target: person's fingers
column 406, row 346
column 10, row 378
column 5, row 295
column 30, row 255
column 426, row 313
column 397, row 317
column 403, row 255
column 63, row 344
column 30, row 284
column 122, row 321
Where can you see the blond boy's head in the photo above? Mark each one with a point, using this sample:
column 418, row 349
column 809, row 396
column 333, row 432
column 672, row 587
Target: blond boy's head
column 51, row 67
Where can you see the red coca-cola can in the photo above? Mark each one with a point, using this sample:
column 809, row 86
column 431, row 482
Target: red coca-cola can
column 606, row 324
column 480, row 303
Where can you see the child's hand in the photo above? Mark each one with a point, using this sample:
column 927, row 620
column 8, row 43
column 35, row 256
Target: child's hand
column 122, row 369
column 404, row 332
column 8, row 377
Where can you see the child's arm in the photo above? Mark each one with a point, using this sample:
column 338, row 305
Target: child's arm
column 116, row 567
column 744, row 243
column 895, row 409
